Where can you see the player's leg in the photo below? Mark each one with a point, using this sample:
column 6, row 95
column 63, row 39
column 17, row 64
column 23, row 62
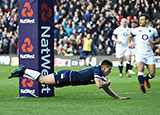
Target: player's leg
column 85, row 57
column 128, row 55
column 132, row 62
column 131, row 65
column 89, row 58
column 82, row 58
column 49, row 79
column 140, row 67
column 120, row 55
column 128, row 64
column 150, row 75
column 21, row 71
column 120, row 66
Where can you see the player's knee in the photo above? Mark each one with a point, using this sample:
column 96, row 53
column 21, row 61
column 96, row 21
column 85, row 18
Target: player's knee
column 128, row 59
column 120, row 63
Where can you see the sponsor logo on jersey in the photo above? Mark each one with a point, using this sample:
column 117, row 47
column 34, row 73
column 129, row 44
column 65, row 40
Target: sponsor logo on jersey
column 125, row 34
column 145, row 37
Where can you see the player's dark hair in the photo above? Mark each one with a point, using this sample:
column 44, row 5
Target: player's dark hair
column 106, row 63
column 146, row 15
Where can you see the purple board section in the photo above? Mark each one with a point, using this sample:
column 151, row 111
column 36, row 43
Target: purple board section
column 36, row 44
column 46, row 26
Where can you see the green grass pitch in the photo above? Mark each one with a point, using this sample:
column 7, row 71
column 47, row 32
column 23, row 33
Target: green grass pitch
column 82, row 100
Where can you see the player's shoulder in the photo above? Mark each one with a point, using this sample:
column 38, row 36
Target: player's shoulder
column 96, row 68
column 91, row 68
column 151, row 28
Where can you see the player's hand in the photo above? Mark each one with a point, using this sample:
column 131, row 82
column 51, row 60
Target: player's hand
column 131, row 46
column 124, row 98
column 108, row 81
column 150, row 42
column 119, row 42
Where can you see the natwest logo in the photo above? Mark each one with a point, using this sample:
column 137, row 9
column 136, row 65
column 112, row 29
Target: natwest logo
column 27, row 46
column 27, row 11
column 27, row 82
column 24, row 21
column 46, row 12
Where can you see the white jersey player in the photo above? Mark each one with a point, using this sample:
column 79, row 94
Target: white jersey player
column 142, row 38
column 145, row 38
column 120, row 36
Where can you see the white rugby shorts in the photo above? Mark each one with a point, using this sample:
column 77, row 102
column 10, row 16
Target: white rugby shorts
column 122, row 51
column 146, row 59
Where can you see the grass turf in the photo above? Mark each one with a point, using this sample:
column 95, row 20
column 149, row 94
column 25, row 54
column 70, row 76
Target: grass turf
column 81, row 100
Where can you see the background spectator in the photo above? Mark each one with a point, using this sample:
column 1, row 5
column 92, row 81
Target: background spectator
column 78, row 17
column 8, row 26
column 100, row 18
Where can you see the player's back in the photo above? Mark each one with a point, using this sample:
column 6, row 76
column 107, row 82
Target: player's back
column 85, row 76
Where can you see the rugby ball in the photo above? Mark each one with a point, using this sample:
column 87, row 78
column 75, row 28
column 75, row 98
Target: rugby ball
column 104, row 78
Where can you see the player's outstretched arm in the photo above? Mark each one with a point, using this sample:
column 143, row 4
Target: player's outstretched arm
column 114, row 38
column 113, row 94
column 100, row 83
column 105, row 85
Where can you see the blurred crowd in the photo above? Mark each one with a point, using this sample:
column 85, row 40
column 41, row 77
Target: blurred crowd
column 8, row 26
column 74, row 19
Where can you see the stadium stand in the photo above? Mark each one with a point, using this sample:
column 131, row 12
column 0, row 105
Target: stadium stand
column 8, row 26
column 75, row 18
column 100, row 18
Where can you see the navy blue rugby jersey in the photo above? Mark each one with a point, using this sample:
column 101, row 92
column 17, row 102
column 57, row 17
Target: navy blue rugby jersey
column 86, row 76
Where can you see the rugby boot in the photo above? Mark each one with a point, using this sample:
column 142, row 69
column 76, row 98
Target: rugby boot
column 128, row 75
column 147, row 83
column 18, row 72
column 142, row 88
column 121, row 75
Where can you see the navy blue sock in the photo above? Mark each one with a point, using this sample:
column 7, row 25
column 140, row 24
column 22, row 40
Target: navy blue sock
column 141, row 79
column 120, row 69
column 131, row 66
column 127, row 67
